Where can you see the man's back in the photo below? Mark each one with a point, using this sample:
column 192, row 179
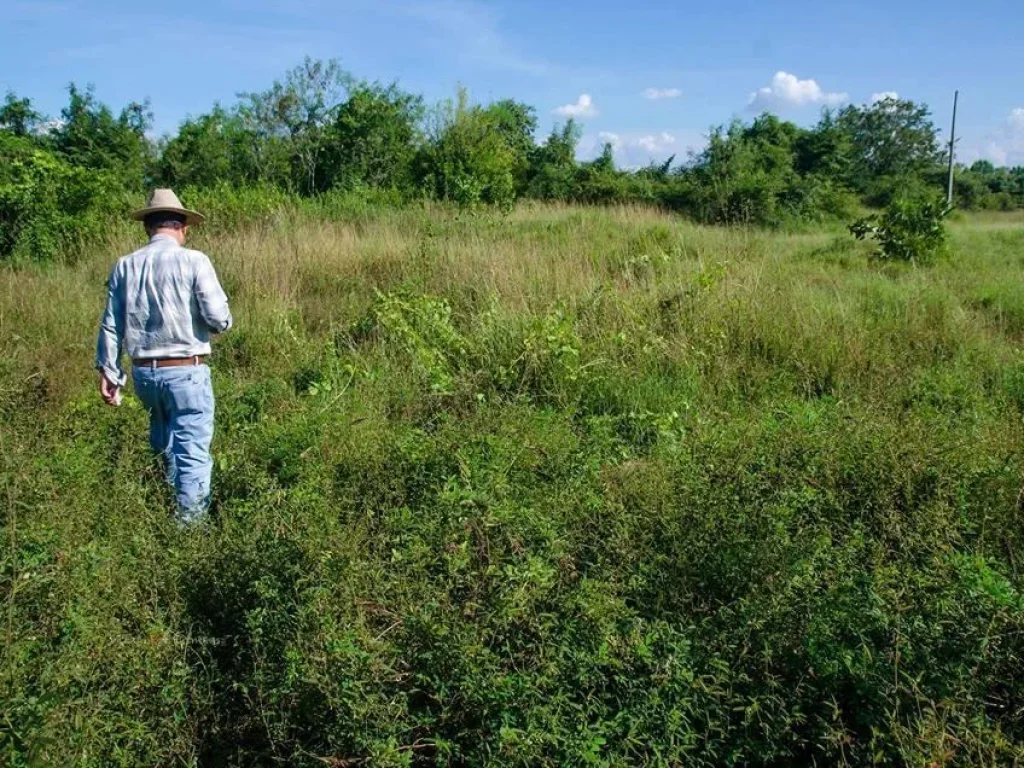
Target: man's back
column 164, row 302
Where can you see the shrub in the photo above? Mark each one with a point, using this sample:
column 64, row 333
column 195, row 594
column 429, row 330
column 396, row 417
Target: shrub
column 820, row 199
column 468, row 159
column 374, row 138
column 357, row 202
column 910, row 229
column 422, row 327
column 49, row 209
column 229, row 207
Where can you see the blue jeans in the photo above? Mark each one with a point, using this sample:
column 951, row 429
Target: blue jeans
column 180, row 405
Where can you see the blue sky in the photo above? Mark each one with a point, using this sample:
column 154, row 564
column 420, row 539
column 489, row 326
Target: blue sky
column 650, row 76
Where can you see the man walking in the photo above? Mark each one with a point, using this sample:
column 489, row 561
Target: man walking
column 163, row 302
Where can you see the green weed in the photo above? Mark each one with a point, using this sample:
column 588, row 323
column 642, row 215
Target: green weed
column 489, row 493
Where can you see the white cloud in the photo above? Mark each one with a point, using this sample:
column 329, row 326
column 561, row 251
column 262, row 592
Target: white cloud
column 636, row 150
column 1007, row 148
column 662, row 93
column 1004, row 146
column 883, row 95
column 47, row 127
column 655, row 144
column 788, row 90
column 584, row 107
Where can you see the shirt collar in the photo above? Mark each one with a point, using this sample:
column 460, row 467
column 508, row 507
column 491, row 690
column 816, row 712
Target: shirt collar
column 161, row 238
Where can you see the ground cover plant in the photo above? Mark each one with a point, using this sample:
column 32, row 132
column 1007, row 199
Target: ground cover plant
column 566, row 486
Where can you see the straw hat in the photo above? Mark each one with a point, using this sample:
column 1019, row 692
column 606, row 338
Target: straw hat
column 165, row 201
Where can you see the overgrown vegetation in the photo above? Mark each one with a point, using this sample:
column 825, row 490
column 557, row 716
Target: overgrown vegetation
column 507, row 478
column 320, row 131
column 909, row 229
column 566, row 486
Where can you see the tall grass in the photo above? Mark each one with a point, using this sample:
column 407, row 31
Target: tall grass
column 571, row 486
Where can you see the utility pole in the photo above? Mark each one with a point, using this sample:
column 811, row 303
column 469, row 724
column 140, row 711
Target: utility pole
column 952, row 140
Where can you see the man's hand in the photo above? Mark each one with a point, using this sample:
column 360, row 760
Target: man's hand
column 111, row 393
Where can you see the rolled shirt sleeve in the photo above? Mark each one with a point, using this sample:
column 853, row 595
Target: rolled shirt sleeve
column 213, row 302
column 111, row 335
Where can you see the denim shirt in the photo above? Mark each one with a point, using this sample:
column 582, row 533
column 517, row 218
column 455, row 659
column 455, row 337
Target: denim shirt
column 162, row 301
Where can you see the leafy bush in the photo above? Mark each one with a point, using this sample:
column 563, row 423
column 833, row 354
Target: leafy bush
column 216, row 148
column 422, row 327
column 89, row 136
column 820, row 199
column 354, row 202
column 910, row 229
column 229, row 207
column 553, row 164
column 468, row 159
column 49, row 209
column 758, row 174
column 374, row 138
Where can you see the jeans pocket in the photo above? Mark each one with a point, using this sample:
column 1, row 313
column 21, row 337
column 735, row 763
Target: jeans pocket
column 192, row 392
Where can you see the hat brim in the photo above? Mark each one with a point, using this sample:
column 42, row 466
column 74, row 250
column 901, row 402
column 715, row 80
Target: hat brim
column 191, row 217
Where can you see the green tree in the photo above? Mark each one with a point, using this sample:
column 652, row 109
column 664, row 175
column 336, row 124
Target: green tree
column 49, row 208
column 293, row 118
column 517, row 123
column 891, row 141
column 983, row 185
column 766, row 173
column 467, row 158
column 375, row 138
column 598, row 181
column 214, row 148
column 824, row 149
column 744, row 172
column 18, row 117
column 910, row 229
column 1015, row 184
column 89, row 136
column 553, row 164
column 604, row 162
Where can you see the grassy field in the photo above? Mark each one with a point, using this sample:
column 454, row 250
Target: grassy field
column 570, row 487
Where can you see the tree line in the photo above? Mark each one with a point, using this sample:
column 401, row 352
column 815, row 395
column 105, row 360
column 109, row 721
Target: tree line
column 320, row 130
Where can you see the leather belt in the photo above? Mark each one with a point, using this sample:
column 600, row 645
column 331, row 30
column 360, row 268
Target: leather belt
column 169, row 362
